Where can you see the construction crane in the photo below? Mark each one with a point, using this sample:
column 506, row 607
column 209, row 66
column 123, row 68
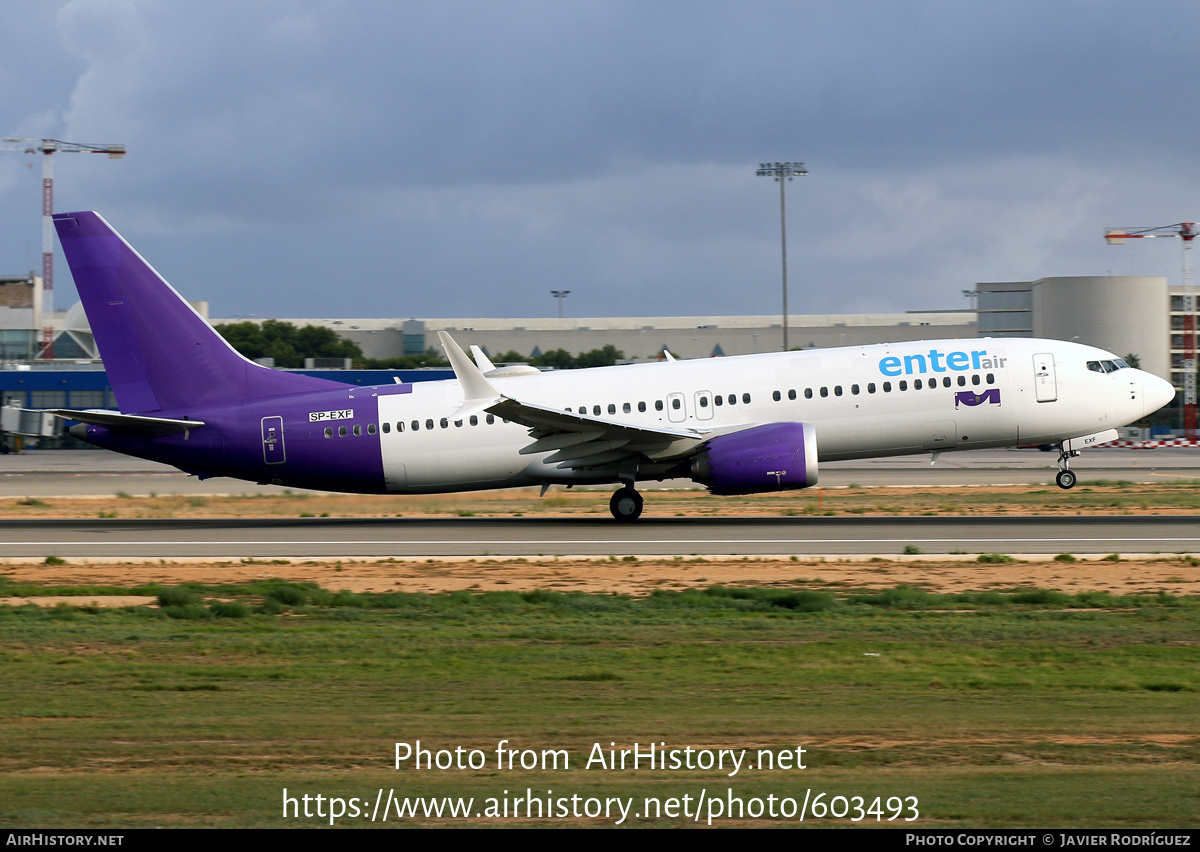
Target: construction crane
column 48, row 148
column 1185, row 231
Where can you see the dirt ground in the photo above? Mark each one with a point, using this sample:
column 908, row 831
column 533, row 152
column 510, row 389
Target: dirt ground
column 636, row 577
column 1166, row 497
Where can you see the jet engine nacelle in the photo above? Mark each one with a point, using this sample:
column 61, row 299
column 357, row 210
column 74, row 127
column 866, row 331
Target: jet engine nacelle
column 772, row 457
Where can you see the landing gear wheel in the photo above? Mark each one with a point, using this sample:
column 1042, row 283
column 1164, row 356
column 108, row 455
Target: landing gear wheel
column 626, row 505
column 1065, row 479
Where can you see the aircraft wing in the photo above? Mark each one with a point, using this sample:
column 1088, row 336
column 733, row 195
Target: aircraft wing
column 130, row 423
column 577, row 440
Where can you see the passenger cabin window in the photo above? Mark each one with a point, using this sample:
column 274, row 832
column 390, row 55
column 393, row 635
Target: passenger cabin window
column 399, row 425
column 870, row 387
column 387, row 428
column 962, row 381
column 808, row 393
column 776, row 396
column 341, row 431
column 491, row 418
column 612, row 409
column 719, row 400
column 675, row 403
column 854, row 389
column 824, row 392
column 416, row 425
column 328, row 431
column 627, row 408
column 641, row 406
column 658, row 406
column 371, row 428
column 837, row 390
column 903, row 385
column 887, row 387
column 916, row 384
column 792, row 393
column 733, row 399
column 746, row 398
column 975, row 379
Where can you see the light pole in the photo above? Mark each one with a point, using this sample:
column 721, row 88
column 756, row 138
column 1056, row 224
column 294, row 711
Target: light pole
column 560, row 295
column 782, row 173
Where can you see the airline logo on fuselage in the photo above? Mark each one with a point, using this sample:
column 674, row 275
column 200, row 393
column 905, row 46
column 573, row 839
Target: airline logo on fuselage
column 344, row 414
column 935, row 361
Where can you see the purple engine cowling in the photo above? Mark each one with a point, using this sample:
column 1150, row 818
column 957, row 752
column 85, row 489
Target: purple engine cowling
column 772, row 457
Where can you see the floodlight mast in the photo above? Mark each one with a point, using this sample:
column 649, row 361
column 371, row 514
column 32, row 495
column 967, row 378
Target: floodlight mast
column 560, row 295
column 782, row 173
column 48, row 148
column 1185, row 231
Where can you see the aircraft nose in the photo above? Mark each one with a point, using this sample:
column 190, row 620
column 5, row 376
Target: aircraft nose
column 1156, row 392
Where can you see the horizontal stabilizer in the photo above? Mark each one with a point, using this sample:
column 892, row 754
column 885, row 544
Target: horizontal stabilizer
column 131, row 424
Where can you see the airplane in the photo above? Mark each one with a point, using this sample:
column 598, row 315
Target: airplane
column 738, row 425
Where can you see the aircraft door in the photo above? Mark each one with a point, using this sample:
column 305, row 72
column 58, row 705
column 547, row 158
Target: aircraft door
column 272, row 439
column 676, row 411
column 1045, row 381
column 704, row 405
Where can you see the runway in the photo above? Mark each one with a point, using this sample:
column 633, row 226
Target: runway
column 54, row 473
column 332, row 538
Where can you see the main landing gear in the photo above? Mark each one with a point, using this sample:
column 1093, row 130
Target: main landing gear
column 626, row 504
column 1065, row 479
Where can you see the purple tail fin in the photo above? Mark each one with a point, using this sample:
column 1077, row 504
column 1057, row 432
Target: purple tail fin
column 159, row 353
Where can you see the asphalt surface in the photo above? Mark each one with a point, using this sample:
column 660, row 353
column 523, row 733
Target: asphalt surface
column 594, row 536
column 68, row 473
column 56, row 473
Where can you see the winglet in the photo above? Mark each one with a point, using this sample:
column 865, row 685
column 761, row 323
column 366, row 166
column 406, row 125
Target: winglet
column 478, row 393
column 484, row 362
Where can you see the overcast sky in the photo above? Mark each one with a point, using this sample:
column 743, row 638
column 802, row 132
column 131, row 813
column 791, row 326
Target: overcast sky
column 343, row 158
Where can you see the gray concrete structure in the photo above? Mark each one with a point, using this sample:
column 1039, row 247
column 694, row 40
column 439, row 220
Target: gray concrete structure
column 1121, row 313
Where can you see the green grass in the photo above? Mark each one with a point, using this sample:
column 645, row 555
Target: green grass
column 1002, row 708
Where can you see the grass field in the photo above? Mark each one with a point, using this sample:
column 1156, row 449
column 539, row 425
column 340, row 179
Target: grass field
column 997, row 709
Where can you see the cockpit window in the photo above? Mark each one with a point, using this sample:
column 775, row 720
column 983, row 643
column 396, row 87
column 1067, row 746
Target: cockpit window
column 1095, row 367
column 1109, row 366
column 1121, row 365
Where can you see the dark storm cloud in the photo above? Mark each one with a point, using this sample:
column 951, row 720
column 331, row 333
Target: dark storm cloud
column 403, row 151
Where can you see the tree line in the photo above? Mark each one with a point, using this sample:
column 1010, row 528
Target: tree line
column 290, row 344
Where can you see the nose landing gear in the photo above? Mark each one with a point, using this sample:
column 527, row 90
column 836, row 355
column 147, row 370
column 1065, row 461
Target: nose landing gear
column 1065, row 479
column 626, row 504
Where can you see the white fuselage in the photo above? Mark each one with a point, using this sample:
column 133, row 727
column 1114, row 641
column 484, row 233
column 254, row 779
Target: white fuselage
column 865, row 401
